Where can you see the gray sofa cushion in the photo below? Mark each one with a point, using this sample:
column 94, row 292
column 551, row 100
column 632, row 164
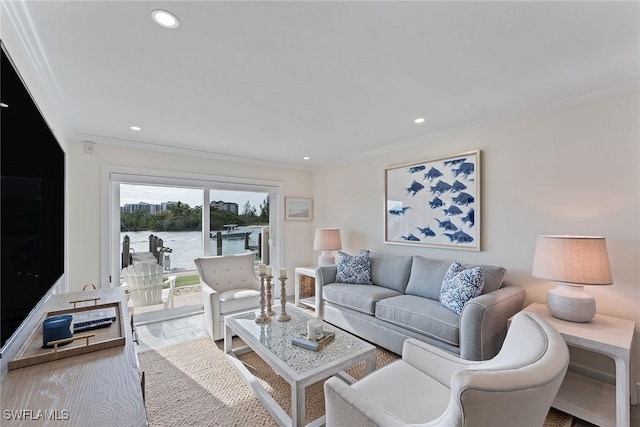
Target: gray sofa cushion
column 390, row 271
column 361, row 298
column 422, row 315
column 426, row 278
column 493, row 276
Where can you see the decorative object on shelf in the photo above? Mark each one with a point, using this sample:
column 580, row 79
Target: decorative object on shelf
column 283, row 316
column 434, row 202
column 327, row 240
column 315, row 344
column 572, row 261
column 262, row 317
column 298, row 209
column 269, row 309
column 56, row 328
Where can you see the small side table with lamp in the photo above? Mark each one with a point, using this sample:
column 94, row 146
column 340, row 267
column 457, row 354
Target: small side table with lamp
column 575, row 261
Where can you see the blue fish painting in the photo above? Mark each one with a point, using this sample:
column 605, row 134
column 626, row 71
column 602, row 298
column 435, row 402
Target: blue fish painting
column 427, row 231
column 452, row 210
column 440, row 187
column 470, row 218
column 459, row 237
column 454, row 162
column 415, row 169
column 411, row 238
column 458, row 186
column 463, row 199
column 447, row 225
column 465, row 169
column 432, row 174
column 436, row 203
column 414, row 188
column 399, row 211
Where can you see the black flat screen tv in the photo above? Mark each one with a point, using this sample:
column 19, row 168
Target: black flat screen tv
column 32, row 205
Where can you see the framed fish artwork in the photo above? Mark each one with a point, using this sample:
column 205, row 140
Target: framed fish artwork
column 434, row 203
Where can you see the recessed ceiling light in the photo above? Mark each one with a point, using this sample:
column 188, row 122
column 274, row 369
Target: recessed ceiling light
column 306, row 158
column 136, row 128
column 164, row 18
column 3, row 105
column 419, row 120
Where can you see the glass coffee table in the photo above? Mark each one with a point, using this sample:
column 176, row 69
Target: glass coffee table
column 296, row 365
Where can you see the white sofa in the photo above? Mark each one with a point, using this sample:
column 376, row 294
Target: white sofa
column 431, row 387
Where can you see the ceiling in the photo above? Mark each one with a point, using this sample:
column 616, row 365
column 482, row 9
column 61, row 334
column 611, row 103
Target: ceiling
column 277, row 81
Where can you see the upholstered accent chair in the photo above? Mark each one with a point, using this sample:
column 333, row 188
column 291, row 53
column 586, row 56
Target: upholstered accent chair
column 229, row 285
column 430, row 387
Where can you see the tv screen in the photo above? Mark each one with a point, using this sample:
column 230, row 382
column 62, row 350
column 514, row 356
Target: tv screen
column 31, row 202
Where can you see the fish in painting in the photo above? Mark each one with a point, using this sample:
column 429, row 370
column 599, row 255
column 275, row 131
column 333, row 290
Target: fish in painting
column 470, row 218
column 447, row 225
column 410, row 237
column 414, row 188
column 415, row 169
column 427, row 231
column 399, row 211
column 463, row 199
column 440, row 187
column 452, row 210
column 454, row 162
column 459, row 237
column 436, row 203
column 465, row 169
column 458, row 186
column 432, row 174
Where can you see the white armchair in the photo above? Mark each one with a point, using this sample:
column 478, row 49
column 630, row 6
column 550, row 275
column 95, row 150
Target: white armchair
column 145, row 285
column 229, row 285
column 430, row 387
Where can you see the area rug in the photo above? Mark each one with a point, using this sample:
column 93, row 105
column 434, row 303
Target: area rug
column 192, row 384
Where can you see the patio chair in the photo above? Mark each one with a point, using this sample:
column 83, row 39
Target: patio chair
column 145, row 286
column 229, row 285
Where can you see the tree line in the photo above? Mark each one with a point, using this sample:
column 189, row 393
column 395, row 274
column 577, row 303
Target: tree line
column 182, row 217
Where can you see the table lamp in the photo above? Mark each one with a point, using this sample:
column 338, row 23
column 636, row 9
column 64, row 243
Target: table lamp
column 572, row 261
column 327, row 240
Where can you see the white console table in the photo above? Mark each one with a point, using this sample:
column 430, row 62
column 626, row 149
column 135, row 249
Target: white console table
column 589, row 399
column 101, row 388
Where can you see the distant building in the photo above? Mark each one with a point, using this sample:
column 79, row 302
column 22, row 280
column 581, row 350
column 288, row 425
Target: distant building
column 225, row 206
column 147, row 208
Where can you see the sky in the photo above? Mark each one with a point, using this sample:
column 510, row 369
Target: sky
column 155, row 195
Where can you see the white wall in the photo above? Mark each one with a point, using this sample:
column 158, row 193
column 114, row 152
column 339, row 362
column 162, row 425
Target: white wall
column 85, row 210
column 569, row 171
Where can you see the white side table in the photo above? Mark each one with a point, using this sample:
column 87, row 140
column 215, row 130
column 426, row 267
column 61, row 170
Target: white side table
column 304, row 271
column 587, row 398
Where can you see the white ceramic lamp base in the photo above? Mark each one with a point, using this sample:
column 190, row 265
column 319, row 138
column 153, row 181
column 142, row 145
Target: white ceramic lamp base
column 326, row 258
column 572, row 303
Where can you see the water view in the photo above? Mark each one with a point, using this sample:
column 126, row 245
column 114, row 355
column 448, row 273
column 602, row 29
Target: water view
column 187, row 245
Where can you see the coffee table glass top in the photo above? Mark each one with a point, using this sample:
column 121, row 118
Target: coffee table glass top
column 276, row 337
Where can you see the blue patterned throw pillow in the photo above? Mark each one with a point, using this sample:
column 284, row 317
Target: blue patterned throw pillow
column 355, row 269
column 460, row 285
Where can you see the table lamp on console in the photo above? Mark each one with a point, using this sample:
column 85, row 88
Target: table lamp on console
column 327, row 240
column 572, row 262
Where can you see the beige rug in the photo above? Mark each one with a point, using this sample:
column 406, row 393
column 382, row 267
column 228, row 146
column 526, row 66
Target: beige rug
column 192, row 384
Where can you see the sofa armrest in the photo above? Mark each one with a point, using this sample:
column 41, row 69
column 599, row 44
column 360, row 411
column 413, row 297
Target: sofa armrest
column 346, row 407
column 484, row 319
column 324, row 275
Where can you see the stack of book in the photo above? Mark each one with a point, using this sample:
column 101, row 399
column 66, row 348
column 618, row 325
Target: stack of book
column 314, row 344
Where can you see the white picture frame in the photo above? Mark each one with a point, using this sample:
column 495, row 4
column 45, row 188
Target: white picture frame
column 298, row 208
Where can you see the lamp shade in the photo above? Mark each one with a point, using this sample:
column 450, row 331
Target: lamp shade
column 572, row 259
column 327, row 239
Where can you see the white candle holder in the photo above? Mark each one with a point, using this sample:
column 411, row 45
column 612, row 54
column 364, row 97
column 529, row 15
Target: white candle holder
column 269, row 311
column 262, row 317
column 283, row 316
